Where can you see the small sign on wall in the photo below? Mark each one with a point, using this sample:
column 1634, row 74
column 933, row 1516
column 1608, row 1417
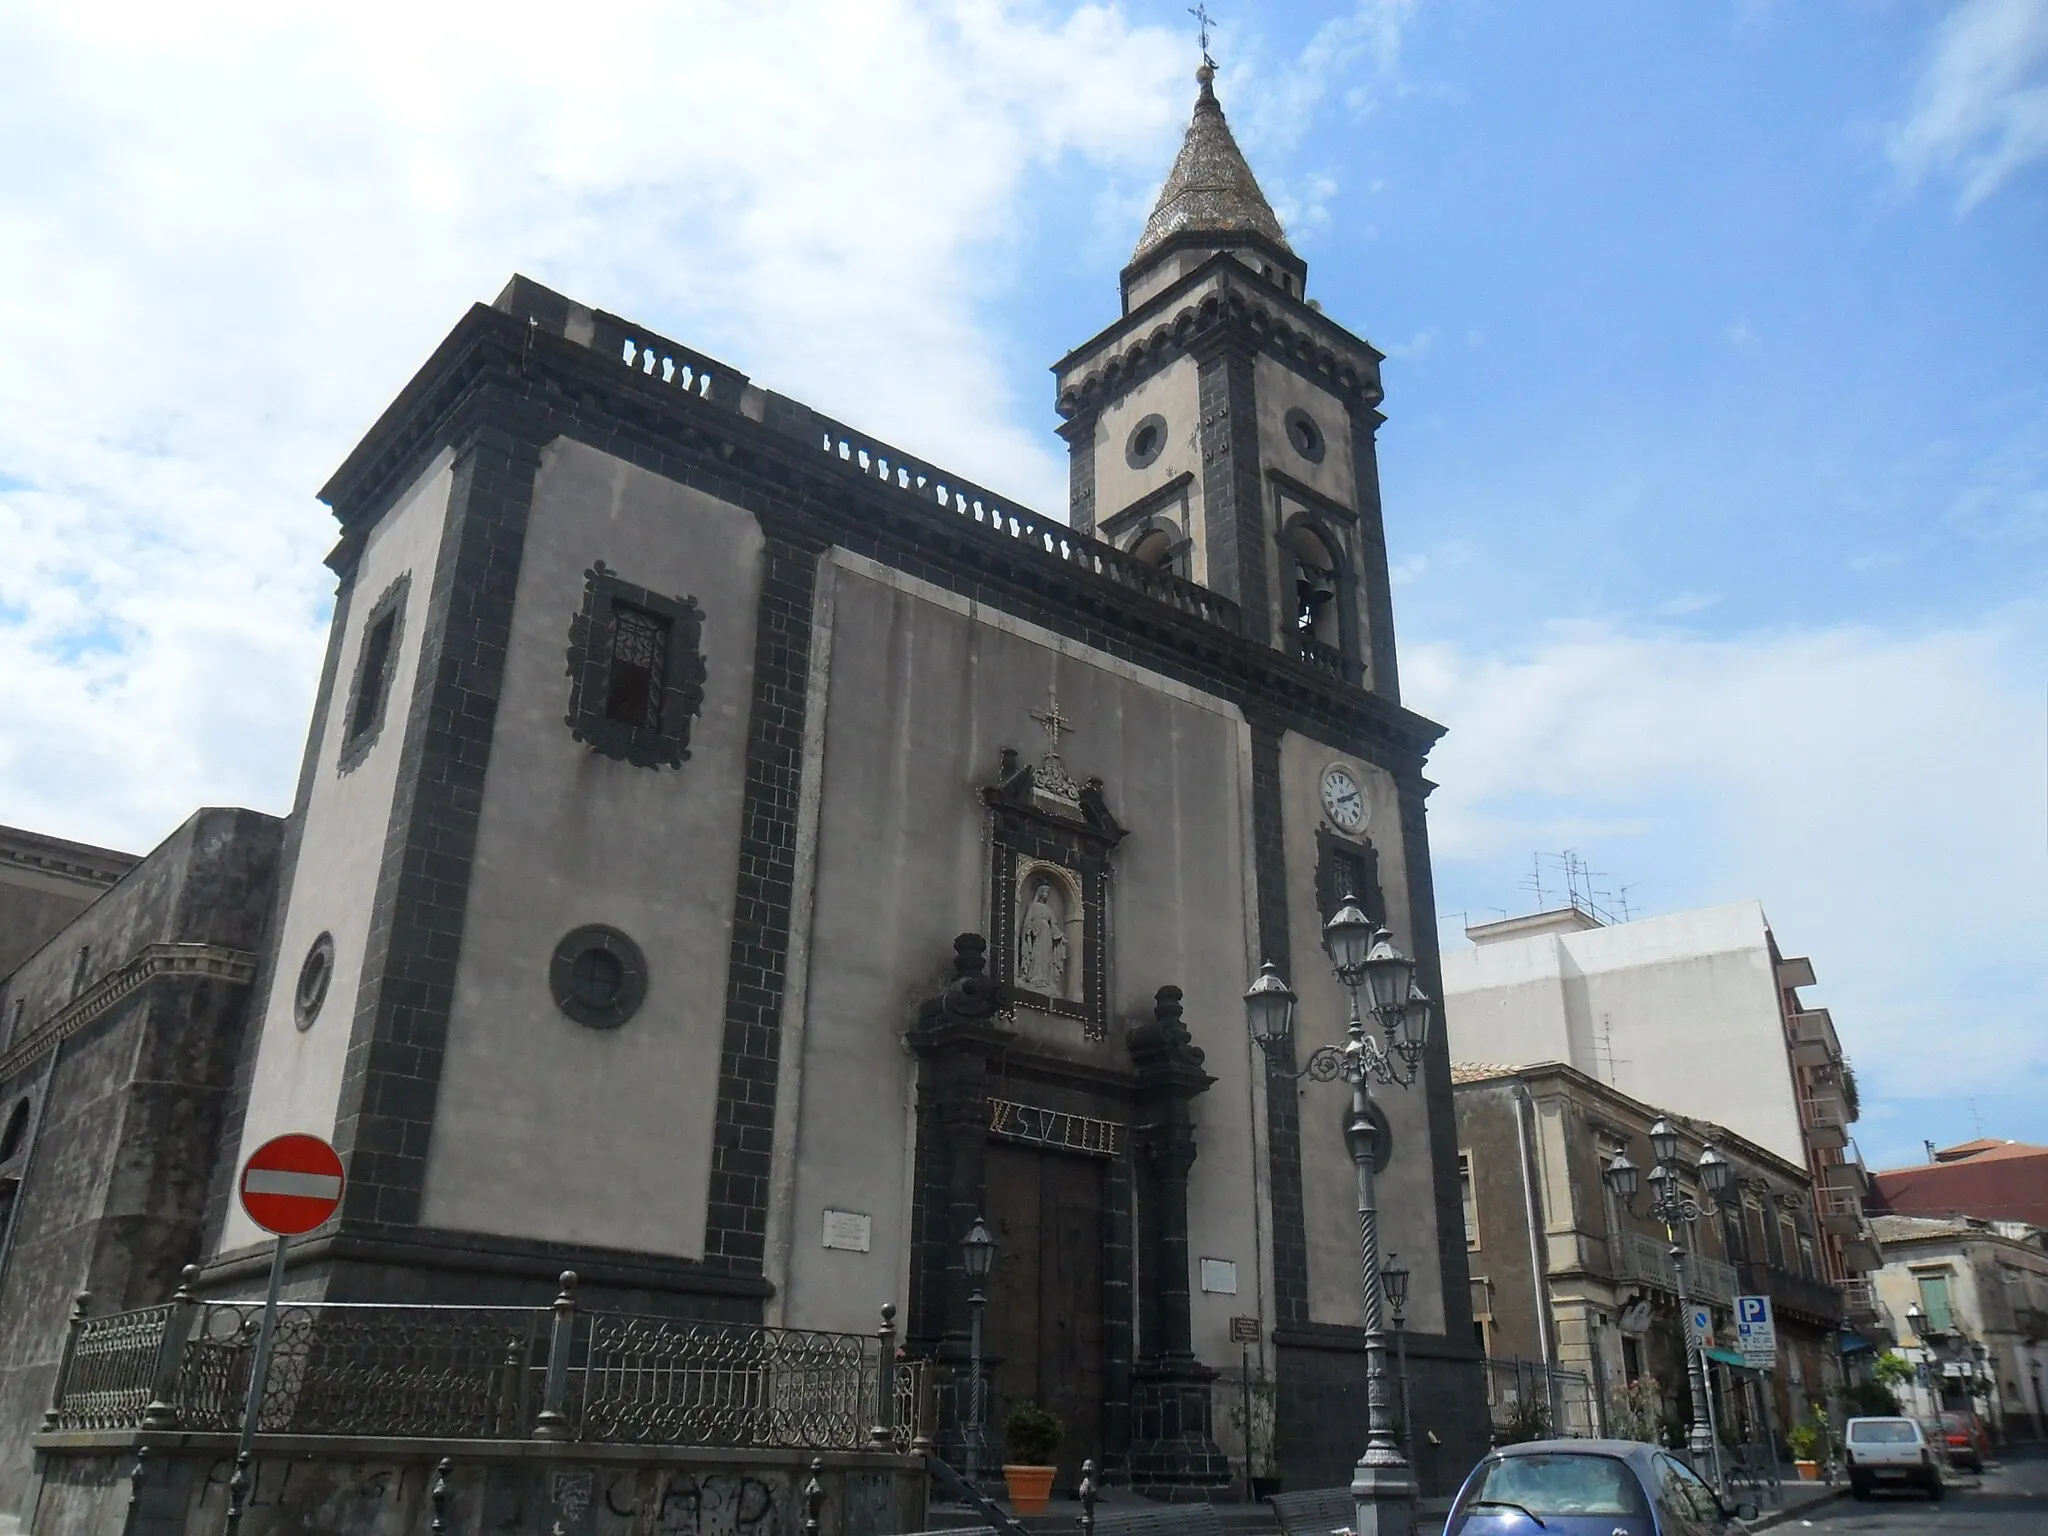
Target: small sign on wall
column 849, row 1230
column 1219, row 1276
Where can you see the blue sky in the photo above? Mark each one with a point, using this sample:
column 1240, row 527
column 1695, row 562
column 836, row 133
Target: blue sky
column 1716, row 464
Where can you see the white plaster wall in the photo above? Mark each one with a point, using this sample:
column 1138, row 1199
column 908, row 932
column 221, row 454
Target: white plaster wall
column 1174, row 393
column 1280, row 390
column 925, row 689
column 1505, row 1003
column 1406, row 1191
column 296, row 1084
column 544, row 1128
column 1679, row 1011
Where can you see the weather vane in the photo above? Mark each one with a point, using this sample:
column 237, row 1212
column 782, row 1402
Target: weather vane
column 1201, row 14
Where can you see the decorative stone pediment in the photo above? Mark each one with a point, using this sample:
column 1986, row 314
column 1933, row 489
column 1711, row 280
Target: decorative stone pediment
column 1050, row 837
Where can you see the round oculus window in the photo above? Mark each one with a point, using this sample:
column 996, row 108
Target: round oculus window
column 316, row 971
column 1305, row 435
column 598, row 976
column 1146, row 442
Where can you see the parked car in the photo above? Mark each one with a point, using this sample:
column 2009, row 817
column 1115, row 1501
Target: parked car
column 1968, row 1441
column 1588, row 1488
column 1890, row 1453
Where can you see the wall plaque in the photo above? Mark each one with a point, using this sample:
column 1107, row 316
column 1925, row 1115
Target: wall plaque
column 849, row 1230
column 1219, row 1276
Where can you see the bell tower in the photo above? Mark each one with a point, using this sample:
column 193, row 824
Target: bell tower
column 1223, row 427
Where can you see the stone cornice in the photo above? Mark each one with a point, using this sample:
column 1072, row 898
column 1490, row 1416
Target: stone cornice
column 1219, row 303
column 496, row 372
column 155, row 962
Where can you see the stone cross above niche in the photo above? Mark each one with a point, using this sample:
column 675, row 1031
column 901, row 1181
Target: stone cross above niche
column 1050, row 838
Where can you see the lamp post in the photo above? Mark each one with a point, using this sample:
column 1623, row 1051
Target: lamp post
column 1673, row 1207
column 977, row 1251
column 1362, row 956
column 1394, row 1281
column 1924, row 1336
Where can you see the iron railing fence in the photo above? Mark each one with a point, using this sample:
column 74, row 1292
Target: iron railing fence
column 350, row 1368
column 1640, row 1256
column 111, row 1366
column 490, row 1373
column 1526, row 1399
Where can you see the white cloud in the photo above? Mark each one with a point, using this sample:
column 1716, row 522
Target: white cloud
column 234, row 231
column 1980, row 110
column 1882, row 795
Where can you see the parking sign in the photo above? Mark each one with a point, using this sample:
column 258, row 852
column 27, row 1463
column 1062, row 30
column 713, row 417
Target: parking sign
column 1756, row 1331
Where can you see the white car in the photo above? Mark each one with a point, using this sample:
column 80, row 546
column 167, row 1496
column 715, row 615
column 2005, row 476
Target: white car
column 1890, row 1453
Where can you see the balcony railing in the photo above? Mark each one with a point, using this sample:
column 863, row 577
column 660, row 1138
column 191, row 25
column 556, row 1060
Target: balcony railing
column 1822, row 1114
column 1842, row 1211
column 1640, row 1256
column 488, row 1373
column 1859, row 1299
column 1792, row 1292
column 1814, row 1043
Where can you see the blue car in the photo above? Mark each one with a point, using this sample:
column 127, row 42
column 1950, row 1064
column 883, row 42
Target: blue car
column 1588, row 1488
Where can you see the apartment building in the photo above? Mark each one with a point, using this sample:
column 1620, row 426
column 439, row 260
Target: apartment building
column 1700, row 1012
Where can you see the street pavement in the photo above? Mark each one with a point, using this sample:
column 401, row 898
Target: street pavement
column 2010, row 1499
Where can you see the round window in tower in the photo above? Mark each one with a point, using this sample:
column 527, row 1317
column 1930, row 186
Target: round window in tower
column 316, row 971
column 1305, row 435
column 598, row 976
column 1146, row 442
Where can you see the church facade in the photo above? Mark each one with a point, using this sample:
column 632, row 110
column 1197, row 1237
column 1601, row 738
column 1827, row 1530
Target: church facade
column 732, row 854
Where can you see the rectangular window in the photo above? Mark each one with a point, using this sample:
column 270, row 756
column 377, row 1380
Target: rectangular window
column 376, row 664
column 1934, row 1301
column 1470, row 1200
column 369, row 694
column 636, row 671
column 1806, row 1256
column 639, row 667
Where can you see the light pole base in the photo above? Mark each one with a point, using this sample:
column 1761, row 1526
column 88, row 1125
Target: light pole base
column 1385, row 1500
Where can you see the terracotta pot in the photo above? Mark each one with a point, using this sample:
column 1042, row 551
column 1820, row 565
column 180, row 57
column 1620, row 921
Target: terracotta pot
column 1030, row 1488
column 1809, row 1471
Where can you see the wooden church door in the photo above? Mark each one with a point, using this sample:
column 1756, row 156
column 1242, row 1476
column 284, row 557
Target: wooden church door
column 1044, row 1319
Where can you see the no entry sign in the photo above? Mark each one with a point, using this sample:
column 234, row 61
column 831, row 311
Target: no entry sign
column 291, row 1184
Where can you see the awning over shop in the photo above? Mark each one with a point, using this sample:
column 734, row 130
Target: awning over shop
column 1729, row 1358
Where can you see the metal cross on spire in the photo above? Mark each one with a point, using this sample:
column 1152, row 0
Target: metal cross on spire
column 1201, row 15
column 1051, row 718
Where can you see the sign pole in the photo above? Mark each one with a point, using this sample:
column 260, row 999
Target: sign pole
column 266, row 1335
column 290, row 1185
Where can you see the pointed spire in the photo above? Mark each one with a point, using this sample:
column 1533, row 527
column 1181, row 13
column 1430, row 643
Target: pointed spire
column 1210, row 189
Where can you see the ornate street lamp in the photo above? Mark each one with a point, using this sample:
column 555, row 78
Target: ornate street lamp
column 1364, row 958
column 977, row 1252
column 1670, row 1204
column 1394, row 1281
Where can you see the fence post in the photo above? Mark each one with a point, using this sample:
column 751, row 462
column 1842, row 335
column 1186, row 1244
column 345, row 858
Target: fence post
column 884, row 1432
column 438, row 1497
column 135, row 1480
column 814, row 1497
column 553, row 1423
column 79, row 1308
column 162, row 1412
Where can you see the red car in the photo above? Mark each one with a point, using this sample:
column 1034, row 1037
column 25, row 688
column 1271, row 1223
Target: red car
column 1969, row 1442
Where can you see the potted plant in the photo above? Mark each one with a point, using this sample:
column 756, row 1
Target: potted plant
column 1030, row 1437
column 1803, row 1441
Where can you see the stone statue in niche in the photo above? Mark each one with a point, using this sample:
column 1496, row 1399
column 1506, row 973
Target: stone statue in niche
column 1042, row 944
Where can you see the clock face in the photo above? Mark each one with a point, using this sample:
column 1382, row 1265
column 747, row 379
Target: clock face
column 1343, row 799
